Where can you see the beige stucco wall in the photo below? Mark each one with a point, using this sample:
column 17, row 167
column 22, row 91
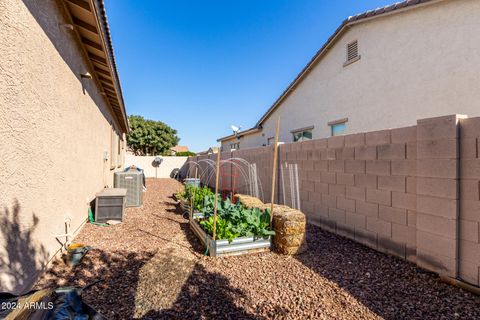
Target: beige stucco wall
column 416, row 64
column 163, row 171
column 54, row 130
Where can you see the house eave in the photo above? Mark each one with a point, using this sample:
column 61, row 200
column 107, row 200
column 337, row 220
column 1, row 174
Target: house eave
column 240, row 134
column 91, row 27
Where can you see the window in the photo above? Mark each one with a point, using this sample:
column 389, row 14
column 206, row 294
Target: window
column 119, row 151
column 352, row 53
column 124, row 148
column 270, row 141
column 235, row 146
column 338, row 127
column 302, row 134
column 113, row 145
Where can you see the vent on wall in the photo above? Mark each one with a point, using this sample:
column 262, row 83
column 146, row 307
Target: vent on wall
column 352, row 52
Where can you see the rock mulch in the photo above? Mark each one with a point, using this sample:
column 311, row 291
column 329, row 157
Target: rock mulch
column 152, row 267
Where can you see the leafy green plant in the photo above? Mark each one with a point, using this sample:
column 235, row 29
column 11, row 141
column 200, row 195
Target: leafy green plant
column 224, row 228
column 185, row 154
column 239, row 221
column 197, row 194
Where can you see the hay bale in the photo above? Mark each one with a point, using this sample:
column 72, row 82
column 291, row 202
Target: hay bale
column 277, row 208
column 289, row 221
column 289, row 225
column 290, row 240
column 248, row 201
column 282, row 249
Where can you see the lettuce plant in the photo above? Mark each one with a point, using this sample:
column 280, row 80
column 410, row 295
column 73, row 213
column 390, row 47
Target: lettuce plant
column 197, row 193
column 234, row 220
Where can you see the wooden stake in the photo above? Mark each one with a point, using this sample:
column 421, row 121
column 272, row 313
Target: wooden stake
column 274, row 174
column 217, row 173
column 192, row 201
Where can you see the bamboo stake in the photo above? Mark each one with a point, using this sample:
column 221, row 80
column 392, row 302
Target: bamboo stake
column 192, row 200
column 274, row 174
column 217, row 173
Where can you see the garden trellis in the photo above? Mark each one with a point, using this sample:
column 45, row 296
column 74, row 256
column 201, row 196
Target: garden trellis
column 224, row 225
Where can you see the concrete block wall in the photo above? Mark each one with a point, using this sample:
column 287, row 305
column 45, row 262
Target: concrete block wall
column 437, row 194
column 236, row 175
column 169, row 164
column 361, row 186
column 412, row 192
column 469, row 211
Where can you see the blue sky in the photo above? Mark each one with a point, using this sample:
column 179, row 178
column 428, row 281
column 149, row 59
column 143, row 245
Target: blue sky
column 200, row 66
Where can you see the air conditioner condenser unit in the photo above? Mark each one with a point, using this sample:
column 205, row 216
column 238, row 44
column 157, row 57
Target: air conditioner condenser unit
column 131, row 180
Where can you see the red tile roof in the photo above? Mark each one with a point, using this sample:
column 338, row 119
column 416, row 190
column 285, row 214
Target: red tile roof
column 179, row 149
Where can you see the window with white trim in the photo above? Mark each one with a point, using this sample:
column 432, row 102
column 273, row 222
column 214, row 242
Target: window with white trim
column 302, row 134
column 235, row 146
column 119, row 151
column 113, row 147
column 338, row 127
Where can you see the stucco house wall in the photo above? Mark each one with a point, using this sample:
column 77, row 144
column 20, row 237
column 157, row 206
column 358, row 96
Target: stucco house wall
column 55, row 128
column 414, row 64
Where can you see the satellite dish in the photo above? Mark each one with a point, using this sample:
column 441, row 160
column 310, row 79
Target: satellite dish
column 235, row 129
column 157, row 162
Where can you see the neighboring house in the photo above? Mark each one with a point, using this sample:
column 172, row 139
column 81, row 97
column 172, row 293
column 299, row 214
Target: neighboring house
column 176, row 149
column 380, row 69
column 63, row 126
column 210, row 150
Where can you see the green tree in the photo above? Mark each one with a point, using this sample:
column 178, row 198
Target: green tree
column 185, row 154
column 149, row 137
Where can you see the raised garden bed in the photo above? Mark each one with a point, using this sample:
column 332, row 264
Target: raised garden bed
column 224, row 247
column 184, row 206
column 239, row 229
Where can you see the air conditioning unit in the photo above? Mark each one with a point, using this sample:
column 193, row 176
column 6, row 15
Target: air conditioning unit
column 109, row 205
column 132, row 180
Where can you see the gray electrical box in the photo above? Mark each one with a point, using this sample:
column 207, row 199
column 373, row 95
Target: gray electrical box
column 110, row 204
column 132, row 180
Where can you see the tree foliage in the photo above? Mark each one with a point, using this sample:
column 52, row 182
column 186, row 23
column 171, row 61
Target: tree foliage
column 185, row 154
column 149, row 137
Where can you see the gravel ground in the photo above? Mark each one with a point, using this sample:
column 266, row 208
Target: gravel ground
column 152, row 267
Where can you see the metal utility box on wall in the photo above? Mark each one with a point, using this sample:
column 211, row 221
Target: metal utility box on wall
column 110, row 204
column 132, row 180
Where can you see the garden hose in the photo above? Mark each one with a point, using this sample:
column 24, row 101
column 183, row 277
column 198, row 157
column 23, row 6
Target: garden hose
column 91, row 219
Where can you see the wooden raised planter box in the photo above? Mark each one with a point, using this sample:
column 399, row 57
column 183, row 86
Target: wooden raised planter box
column 238, row 246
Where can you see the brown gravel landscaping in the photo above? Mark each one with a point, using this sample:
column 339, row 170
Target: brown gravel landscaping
column 152, row 267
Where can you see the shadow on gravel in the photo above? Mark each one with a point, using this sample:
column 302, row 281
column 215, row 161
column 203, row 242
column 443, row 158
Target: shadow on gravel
column 388, row 286
column 114, row 296
column 196, row 244
column 205, row 295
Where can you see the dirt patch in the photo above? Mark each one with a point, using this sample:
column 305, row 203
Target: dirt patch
column 168, row 271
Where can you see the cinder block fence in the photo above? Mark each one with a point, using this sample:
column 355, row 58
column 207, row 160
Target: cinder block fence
column 412, row 192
